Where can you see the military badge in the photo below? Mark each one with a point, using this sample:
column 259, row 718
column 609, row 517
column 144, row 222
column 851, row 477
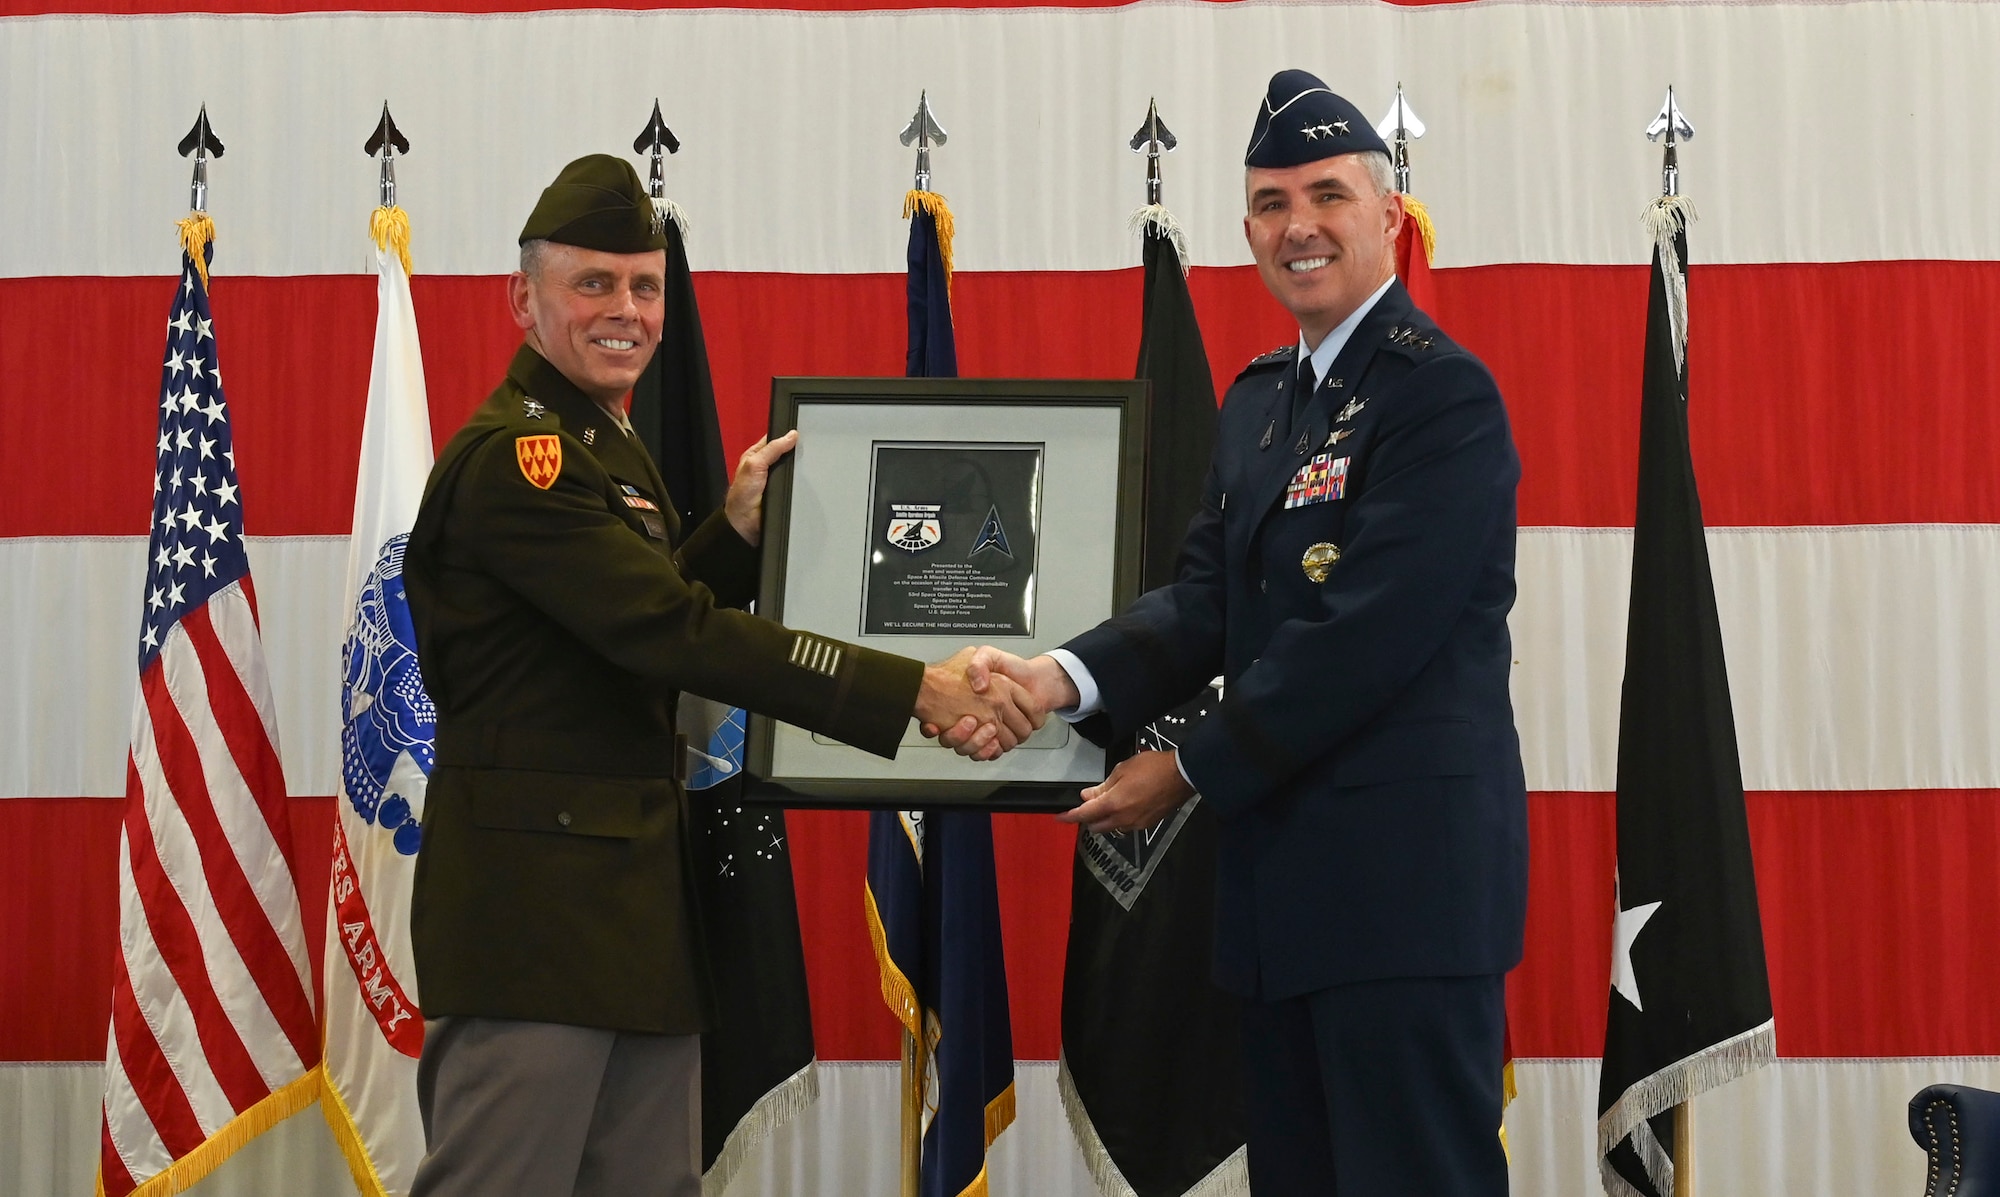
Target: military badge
column 1319, row 559
column 532, row 409
column 991, row 535
column 1336, row 436
column 1321, row 480
column 1352, row 410
column 540, row 458
column 590, row 436
column 914, row 527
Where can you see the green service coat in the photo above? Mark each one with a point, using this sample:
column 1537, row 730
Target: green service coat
column 556, row 622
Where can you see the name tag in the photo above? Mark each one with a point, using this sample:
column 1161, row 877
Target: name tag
column 1321, row 480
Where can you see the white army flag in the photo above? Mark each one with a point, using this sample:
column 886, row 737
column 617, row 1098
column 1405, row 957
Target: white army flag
column 374, row 1031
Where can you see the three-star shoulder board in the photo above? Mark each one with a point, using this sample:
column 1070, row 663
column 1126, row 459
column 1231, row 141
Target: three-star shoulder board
column 1408, row 336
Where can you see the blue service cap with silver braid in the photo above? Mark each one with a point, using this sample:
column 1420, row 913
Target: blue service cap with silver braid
column 1301, row 120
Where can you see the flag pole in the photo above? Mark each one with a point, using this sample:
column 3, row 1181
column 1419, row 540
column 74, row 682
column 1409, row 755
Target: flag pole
column 1671, row 128
column 914, row 1068
column 924, row 132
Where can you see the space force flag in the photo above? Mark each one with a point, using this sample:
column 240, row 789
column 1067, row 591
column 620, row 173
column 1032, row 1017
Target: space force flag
column 374, row 1030
column 1690, row 1001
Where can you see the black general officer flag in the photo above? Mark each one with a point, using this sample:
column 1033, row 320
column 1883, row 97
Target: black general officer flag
column 1690, row 1003
column 757, row 1064
column 933, row 902
column 1153, row 1088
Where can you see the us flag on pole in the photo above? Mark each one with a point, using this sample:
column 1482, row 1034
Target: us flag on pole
column 213, row 1034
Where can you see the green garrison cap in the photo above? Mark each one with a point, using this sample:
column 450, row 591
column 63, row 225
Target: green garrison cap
column 597, row 202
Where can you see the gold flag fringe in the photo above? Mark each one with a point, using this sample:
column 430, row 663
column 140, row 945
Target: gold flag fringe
column 347, row 1136
column 1414, row 210
column 197, row 232
column 897, row 991
column 390, row 227
column 999, row 1113
column 184, row 1172
column 933, row 203
column 1508, row 1092
column 1162, row 222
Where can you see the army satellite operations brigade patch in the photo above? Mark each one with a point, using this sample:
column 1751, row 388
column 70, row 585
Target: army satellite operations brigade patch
column 540, row 458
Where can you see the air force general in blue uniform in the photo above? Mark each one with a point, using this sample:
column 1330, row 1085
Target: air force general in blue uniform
column 1349, row 576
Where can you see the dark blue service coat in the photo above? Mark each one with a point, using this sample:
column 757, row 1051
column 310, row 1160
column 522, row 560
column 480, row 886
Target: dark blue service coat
column 1363, row 761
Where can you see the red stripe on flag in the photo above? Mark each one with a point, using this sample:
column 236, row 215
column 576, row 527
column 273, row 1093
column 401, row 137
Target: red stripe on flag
column 180, row 950
column 242, row 727
column 1784, row 395
column 1843, row 877
column 263, row 953
column 146, row 1069
column 111, row 1170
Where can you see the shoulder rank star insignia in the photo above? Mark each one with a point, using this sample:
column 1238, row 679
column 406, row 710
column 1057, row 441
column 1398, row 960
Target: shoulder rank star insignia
column 1352, row 410
column 540, row 458
column 532, row 409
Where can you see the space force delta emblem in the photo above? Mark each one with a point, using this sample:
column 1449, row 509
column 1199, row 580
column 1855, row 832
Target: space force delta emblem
column 540, row 458
column 914, row 527
column 1321, row 480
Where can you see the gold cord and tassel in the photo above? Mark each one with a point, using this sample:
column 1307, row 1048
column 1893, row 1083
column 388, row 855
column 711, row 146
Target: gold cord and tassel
column 933, row 203
column 390, row 227
column 1415, row 212
column 197, row 233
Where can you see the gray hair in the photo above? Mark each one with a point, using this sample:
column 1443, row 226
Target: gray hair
column 531, row 257
column 1381, row 171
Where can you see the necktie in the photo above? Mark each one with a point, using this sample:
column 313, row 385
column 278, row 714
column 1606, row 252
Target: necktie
column 1308, row 382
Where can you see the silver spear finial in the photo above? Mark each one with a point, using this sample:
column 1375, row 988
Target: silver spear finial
column 201, row 142
column 1153, row 139
column 1673, row 128
column 923, row 131
column 656, row 141
column 1399, row 129
column 387, row 142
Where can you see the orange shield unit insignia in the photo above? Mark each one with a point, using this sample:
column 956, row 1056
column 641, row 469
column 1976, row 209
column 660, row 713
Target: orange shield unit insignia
column 540, row 457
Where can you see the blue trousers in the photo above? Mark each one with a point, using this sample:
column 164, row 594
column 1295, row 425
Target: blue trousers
column 1378, row 1089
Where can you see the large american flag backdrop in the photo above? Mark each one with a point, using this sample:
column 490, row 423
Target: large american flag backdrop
column 1845, row 411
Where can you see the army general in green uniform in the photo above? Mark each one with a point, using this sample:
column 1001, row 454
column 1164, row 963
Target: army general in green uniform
column 559, row 610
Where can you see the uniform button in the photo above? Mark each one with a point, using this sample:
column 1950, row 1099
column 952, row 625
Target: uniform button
column 563, row 818
column 1263, row 586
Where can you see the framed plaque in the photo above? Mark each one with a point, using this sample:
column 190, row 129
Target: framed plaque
column 920, row 515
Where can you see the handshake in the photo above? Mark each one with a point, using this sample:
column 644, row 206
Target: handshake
column 982, row 702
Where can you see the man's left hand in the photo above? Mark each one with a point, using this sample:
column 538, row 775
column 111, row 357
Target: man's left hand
column 1141, row 791
column 744, row 504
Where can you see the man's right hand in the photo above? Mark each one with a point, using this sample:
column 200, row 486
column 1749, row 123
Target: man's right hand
column 1042, row 683
column 1043, row 677
column 981, row 714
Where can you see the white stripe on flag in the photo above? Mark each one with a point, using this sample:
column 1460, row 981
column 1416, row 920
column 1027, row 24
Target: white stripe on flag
column 161, row 1003
column 1773, row 174
column 250, row 839
column 125, row 1119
